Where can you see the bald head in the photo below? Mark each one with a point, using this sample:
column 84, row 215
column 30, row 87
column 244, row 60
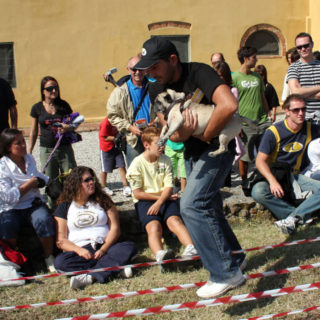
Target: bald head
column 137, row 76
column 216, row 57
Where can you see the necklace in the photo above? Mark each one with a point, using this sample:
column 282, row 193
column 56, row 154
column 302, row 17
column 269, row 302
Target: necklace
column 49, row 106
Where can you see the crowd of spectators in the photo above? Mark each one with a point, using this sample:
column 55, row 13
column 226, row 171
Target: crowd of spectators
column 284, row 153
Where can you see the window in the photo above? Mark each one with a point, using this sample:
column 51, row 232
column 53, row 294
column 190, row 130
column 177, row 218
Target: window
column 7, row 68
column 267, row 39
column 265, row 42
column 182, row 44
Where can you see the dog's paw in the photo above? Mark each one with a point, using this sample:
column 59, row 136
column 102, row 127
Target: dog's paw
column 213, row 154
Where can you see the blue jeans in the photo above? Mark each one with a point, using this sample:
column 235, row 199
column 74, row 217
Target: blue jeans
column 202, row 212
column 281, row 209
column 315, row 175
column 12, row 221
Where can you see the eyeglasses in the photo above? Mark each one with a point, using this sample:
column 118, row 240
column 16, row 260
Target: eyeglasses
column 86, row 180
column 51, row 88
column 305, row 46
column 297, row 110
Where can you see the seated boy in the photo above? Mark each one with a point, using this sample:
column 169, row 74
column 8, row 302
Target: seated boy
column 151, row 178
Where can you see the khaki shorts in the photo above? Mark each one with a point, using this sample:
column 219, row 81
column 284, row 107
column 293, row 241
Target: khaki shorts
column 251, row 139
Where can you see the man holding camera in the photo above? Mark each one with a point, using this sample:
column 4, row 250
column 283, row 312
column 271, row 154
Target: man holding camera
column 129, row 109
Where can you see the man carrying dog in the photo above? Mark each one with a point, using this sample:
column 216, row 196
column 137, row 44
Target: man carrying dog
column 201, row 203
column 287, row 142
column 122, row 105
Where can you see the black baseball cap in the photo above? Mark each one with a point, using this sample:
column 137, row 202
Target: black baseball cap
column 153, row 50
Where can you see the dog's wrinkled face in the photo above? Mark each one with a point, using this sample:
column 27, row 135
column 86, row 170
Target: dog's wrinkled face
column 165, row 99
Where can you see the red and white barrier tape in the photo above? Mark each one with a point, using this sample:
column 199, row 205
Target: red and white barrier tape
column 200, row 304
column 284, row 314
column 148, row 264
column 155, row 290
column 73, row 273
column 283, row 244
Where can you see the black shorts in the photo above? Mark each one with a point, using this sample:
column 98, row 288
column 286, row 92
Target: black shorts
column 168, row 209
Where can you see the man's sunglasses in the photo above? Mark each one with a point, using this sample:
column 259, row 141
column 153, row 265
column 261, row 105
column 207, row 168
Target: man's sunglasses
column 51, row 88
column 88, row 179
column 305, row 46
column 133, row 69
column 297, row 110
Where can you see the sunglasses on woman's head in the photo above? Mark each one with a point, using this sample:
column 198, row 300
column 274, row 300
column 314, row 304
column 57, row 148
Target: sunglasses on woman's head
column 51, row 88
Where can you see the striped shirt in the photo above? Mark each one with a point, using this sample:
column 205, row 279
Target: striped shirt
column 308, row 75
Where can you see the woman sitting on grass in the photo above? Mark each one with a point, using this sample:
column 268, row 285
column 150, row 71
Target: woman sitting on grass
column 88, row 229
column 21, row 203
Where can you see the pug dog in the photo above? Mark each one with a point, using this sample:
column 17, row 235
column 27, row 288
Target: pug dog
column 172, row 103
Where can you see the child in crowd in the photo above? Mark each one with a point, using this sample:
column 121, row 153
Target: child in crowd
column 174, row 150
column 111, row 157
column 151, row 179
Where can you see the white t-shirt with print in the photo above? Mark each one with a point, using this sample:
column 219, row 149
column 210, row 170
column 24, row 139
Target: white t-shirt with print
column 87, row 224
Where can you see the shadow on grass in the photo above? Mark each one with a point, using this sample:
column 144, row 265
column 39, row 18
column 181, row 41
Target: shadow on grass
column 286, row 257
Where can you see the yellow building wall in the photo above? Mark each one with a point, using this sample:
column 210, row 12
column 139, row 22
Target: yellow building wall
column 314, row 17
column 76, row 41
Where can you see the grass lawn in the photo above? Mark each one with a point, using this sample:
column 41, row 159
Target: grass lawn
column 250, row 234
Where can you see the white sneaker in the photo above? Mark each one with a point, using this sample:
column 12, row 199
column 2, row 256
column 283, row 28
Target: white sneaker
column 164, row 255
column 189, row 251
column 50, row 264
column 80, row 281
column 126, row 273
column 126, row 191
column 108, row 191
column 287, row 225
column 309, row 221
column 215, row 289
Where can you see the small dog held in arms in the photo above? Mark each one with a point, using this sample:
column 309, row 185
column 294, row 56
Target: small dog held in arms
column 172, row 103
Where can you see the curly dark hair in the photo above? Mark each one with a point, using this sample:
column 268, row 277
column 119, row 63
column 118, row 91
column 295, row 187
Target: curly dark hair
column 246, row 52
column 72, row 185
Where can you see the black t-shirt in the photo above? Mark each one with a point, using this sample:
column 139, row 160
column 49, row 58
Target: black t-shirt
column 194, row 75
column 62, row 210
column 7, row 100
column 271, row 96
column 47, row 133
